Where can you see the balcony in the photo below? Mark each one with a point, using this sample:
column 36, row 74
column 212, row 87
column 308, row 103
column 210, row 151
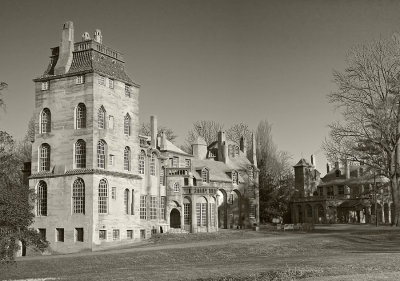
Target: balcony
column 189, row 190
column 177, row 171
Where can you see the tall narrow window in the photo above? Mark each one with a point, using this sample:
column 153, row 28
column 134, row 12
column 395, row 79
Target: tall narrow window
column 187, row 212
column 212, row 211
column 162, row 177
column 236, row 151
column 251, row 174
column 41, row 203
column 201, row 212
column 127, row 90
column 78, row 196
column 162, row 207
column 103, row 197
column 126, row 201
column 80, row 154
column 234, row 177
column 101, row 154
column 80, row 116
column 111, row 83
column 127, row 125
column 80, row 79
column 45, row 85
column 101, row 118
column 142, row 159
column 204, row 175
column 176, row 187
column 133, row 202
column 175, row 162
column 143, row 207
column 102, row 80
column 153, row 207
column 153, row 164
column 127, row 158
column 44, row 160
column 45, row 121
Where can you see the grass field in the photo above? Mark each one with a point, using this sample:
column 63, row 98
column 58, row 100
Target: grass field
column 340, row 252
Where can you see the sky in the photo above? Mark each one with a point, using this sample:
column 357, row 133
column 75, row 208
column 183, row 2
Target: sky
column 227, row 61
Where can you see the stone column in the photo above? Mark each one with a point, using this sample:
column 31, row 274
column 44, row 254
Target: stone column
column 194, row 218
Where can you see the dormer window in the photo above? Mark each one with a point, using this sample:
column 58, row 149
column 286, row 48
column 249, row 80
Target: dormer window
column 204, row 175
column 234, row 177
column 80, row 79
column 45, row 85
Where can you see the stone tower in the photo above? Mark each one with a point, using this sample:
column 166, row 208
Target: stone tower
column 84, row 157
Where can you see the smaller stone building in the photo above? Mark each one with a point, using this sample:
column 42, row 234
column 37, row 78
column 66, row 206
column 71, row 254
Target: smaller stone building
column 346, row 194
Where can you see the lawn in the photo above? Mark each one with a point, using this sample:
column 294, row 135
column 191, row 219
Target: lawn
column 328, row 253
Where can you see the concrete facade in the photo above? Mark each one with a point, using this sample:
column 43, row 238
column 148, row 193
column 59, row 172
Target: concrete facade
column 99, row 183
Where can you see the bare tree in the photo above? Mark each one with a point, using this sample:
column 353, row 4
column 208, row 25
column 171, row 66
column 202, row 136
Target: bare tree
column 368, row 96
column 3, row 86
column 236, row 131
column 145, row 130
column 205, row 129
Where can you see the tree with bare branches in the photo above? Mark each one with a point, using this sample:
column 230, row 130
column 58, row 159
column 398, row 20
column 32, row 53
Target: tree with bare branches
column 145, row 130
column 368, row 96
column 3, row 85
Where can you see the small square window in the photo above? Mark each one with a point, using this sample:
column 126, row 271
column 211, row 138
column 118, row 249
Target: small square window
column 187, row 163
column 42, row 233
column 79, row 234
column 102, row 234
column 115, row 234
column 111, row 83
column 80, row 79
column 45, row 85
column 114, row 193
column 129, row 234
column 59, row 234
column 102, row 80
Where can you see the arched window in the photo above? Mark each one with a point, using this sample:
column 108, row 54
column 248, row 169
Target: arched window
column 80, row 154
column 45, row 121
column 127, row 158
column 103, row 197
column 142, row 158
column 127, row 125
column 204, row 175
column 230, row 150
column 126, row 201
column 41, row 203
column 236, row 150
column 153, row 164
column 101, row 118
column 78, row 196
column 176, row 187
column 101, row 154
column 44, row 159
column 80, row 116
column 234, row 177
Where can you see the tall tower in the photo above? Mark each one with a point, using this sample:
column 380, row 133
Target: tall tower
column 84, row 157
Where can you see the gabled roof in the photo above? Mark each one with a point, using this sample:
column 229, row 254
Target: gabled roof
column 169, row 146
column 302, row 163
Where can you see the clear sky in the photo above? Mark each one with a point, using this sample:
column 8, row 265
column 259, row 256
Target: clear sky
column 228, row 61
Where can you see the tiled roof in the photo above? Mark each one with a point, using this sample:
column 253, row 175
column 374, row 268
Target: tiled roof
column 90, row 60
column 169, row 146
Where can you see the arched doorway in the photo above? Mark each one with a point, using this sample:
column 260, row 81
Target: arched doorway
column 175, row 219
column 222, row 208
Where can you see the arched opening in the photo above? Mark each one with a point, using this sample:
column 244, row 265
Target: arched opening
column 320, row 214
column 175, row 218
column 300, row 214
column 222, row 208
column 235, row 208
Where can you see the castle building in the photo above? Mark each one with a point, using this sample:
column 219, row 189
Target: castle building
column 348, row 193
column 99, row 183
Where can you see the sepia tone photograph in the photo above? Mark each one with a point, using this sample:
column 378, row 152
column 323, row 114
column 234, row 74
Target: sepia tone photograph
column 212, row 140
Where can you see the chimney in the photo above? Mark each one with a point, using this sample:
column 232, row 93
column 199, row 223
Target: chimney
column 313, row 160
column 98, row 37
column 85, row 36
column 222, row 147
column 243, row 145
column 199, row 148
column 65, row 50
column 153, row 131
column 163, row 141
column 327, row 168
column 347, row 168
column 254, row 148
